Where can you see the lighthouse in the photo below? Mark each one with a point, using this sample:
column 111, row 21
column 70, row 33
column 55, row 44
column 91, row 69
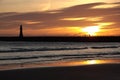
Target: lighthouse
column 21, row 32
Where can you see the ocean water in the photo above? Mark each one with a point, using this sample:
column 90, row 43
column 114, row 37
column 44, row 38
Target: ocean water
column 47, row 52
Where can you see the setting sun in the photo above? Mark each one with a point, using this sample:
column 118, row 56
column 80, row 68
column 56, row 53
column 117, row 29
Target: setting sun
column 91, row 30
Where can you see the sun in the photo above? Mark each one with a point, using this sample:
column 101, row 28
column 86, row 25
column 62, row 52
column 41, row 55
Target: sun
column 91, row 30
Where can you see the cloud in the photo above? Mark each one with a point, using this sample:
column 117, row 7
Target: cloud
column 55, row 18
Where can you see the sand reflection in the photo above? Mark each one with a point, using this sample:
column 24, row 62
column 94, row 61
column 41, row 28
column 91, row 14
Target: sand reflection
column 61, row 64
column 94, row 62
column 84, row 62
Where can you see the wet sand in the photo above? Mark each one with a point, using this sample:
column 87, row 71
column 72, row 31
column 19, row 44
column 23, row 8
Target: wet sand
column 87, row 72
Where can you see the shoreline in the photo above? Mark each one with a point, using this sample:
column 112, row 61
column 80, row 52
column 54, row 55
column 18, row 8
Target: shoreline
column 87, row 72
column 69, row 63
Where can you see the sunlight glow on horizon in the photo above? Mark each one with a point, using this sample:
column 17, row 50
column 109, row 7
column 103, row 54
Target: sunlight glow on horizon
column 91, row 30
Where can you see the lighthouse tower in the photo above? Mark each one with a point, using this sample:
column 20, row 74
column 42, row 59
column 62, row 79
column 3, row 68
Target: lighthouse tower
column 21, row 32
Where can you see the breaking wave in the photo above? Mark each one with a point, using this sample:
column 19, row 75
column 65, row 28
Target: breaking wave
column 39, row 49
column 53, row 49
column 65, row 56
column 105, row 47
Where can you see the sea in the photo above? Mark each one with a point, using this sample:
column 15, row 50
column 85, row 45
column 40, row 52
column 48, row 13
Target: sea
column 50, row 52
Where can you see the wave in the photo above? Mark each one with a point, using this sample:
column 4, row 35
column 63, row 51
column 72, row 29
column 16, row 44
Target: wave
column 39, row 49
column 62, row 57
column 52, row 49
column 102, row 47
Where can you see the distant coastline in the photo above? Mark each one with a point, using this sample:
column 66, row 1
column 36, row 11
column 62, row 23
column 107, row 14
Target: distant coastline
column 64, row 39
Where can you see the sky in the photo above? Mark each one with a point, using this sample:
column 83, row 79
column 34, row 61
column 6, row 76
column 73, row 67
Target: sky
column 60, row 17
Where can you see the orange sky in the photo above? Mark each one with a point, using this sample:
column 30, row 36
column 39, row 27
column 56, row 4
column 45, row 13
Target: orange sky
column 60, row 17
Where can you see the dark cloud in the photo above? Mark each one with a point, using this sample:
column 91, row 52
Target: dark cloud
column 52, row 19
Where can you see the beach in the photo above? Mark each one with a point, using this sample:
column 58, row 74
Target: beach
column 59, row 40
column 59, row 61
column 87, row 72
column 108, row 69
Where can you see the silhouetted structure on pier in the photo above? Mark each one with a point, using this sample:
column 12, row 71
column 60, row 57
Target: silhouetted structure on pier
column 21, row 32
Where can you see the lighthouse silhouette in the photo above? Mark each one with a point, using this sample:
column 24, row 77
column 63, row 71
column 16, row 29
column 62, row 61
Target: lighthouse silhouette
column 21, row 32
